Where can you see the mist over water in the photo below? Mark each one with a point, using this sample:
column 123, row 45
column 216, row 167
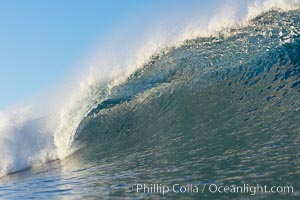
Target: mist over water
column 213, row 102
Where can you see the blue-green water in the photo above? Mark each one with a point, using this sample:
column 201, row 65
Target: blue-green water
column 221, row 110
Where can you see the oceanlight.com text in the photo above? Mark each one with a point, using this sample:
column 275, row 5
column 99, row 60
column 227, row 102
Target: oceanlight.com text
column 164, row 189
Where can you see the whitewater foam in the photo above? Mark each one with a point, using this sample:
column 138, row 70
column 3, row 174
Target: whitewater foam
column 24, row 142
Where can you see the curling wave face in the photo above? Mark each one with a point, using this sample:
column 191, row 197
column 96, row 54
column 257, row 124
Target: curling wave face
column 256, row 68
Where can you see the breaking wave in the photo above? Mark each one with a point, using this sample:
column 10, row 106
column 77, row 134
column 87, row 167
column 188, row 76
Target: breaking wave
column 242, row 73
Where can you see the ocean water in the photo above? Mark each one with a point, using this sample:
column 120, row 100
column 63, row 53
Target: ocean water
column 221, row 110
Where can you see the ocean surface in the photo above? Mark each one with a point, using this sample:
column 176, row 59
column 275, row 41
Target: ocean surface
column 221, row 110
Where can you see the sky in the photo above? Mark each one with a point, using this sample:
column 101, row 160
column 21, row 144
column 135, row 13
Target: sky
column 41, row 42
